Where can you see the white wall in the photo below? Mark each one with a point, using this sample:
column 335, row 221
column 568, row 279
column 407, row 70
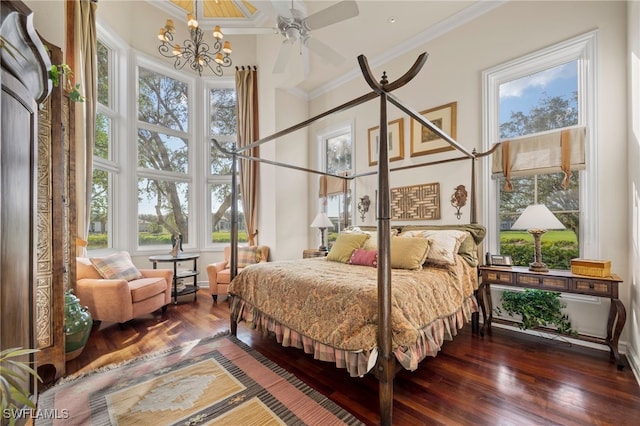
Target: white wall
column 633, row 188
column 453, row 73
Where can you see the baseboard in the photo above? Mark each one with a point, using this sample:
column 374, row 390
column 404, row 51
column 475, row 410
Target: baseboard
column 634, row 362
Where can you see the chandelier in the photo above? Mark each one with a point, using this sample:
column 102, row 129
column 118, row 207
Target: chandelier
column 195, row 52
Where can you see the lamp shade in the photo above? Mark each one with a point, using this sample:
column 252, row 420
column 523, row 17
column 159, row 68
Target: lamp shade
column 322, row 221
column 537, row 216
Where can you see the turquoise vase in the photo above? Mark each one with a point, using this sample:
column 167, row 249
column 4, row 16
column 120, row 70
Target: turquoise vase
column 77, row 325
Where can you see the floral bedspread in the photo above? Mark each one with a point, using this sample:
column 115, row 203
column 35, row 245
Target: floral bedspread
column 335, row 305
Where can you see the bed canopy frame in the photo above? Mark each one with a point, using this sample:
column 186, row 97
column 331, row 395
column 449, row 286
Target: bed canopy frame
column 385, row 367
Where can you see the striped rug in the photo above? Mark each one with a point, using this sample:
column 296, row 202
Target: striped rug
column 214, row 381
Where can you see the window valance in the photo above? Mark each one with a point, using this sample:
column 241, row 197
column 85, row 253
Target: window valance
column 331, row 185
column 556, row 151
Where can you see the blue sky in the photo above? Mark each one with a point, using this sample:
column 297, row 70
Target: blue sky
column 522, row 94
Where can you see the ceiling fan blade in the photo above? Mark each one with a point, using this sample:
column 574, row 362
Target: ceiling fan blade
column 338, row 12
column 324, row 51
column 283, row 57
column 282, row 7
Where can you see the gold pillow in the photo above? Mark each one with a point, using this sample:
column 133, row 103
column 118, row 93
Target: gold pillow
column 344, row 246
column 408, row 253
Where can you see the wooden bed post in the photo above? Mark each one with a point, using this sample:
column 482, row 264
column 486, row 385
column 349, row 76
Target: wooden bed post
column 385, row 368
column 386, row 363
column 233, row 261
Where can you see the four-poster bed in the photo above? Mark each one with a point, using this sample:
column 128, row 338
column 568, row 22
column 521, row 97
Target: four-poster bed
column 395, row 309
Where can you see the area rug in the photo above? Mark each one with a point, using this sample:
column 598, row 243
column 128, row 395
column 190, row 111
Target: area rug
column 214, row 381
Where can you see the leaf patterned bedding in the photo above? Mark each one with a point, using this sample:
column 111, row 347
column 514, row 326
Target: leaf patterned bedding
column 332, row 307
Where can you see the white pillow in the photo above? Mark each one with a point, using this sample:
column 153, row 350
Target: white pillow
column 444, row 244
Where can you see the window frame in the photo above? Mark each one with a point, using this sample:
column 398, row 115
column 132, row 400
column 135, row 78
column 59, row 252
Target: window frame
column 211, row 179
column 582, row 49
column 117, row 113
column 191, row 134
column 322, row 136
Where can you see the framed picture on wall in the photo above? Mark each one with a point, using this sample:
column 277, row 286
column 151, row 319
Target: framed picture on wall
column 395, row 141
column 423, row 140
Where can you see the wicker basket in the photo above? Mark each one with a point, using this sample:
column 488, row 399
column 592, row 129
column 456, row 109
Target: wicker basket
column 591, row 268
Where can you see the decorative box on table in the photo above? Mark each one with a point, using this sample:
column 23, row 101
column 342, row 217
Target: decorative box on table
column 591, row 268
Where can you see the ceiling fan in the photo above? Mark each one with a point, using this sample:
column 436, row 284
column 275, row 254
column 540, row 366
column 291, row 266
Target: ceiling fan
column 295, row 27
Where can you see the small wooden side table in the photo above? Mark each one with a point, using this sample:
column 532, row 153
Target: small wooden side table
column 182, row 274
column 563, row 282
column 307, row 253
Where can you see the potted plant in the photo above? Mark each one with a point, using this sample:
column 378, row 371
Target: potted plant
column 13, row 395
column 61, row 74
column 537, row 308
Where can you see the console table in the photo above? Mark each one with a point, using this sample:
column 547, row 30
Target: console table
column 563, row 282
column 180, row 274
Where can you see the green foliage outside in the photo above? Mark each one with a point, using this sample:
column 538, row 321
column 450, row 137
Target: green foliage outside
column 557, row 247
column 97, row 241
column 537, row 308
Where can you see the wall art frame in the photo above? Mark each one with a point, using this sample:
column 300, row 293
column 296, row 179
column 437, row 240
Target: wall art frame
column 395, row 141
column 416, row 202
column 423, row 140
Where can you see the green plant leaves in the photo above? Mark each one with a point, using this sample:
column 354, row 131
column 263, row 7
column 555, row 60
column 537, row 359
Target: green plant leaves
column 538, row 308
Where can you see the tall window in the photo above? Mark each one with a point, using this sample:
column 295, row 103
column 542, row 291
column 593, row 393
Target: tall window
column 222, row 127
column 337, row 149
column 105, row 166
column 164, row 141
column 544, row 92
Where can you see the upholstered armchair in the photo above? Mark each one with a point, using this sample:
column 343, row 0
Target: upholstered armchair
column 122, row 299
column 219, row 273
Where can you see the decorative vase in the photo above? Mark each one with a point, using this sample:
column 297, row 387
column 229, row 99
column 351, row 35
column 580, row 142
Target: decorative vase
column 77, row 325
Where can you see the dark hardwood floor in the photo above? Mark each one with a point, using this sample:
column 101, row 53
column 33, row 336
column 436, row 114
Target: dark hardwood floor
column 506, row 378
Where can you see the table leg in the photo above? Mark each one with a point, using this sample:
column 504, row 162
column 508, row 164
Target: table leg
column 617, row 316
column 484, row 300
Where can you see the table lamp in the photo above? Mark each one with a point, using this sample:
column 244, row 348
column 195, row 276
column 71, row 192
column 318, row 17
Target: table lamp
column 537, row 219
column 322, row 222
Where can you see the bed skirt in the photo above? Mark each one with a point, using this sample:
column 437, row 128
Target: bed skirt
column 358, row 363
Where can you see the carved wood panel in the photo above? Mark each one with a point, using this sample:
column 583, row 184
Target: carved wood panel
column 416, row 202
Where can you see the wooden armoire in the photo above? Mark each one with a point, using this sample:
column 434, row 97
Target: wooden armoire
column 37, row 195
column 25, row 84
column 55, row 220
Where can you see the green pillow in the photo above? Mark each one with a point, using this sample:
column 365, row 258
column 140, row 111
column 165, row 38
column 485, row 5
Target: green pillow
column 344, row 246
column 408, row 253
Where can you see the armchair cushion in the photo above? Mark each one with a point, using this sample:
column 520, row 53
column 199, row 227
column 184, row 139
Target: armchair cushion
column 119, row 300
column 219, row 273
column 116, row 266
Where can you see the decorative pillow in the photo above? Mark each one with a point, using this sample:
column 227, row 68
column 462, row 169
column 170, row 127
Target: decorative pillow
column 372, row 242
column 116, row 266
column 364, row 257
column 444, row 244
column 248, row 256
column 469, row 247
column 344, row 246
column 409, row 253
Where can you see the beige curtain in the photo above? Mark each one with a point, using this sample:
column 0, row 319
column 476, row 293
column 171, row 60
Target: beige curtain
column 248, row 132
column 331, row 185
column 557, row 151
column 82, row 23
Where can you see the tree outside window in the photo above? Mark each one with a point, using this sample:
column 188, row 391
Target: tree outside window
column 104, row 165
column 338, row 159
column 547, row 100
column 222, row 127
column 164, row 142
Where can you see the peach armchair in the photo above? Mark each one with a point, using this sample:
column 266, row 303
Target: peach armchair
column 119, row 300
column 219, row 273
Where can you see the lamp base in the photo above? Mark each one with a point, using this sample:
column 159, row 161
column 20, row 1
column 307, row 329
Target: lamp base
column 538, row 267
